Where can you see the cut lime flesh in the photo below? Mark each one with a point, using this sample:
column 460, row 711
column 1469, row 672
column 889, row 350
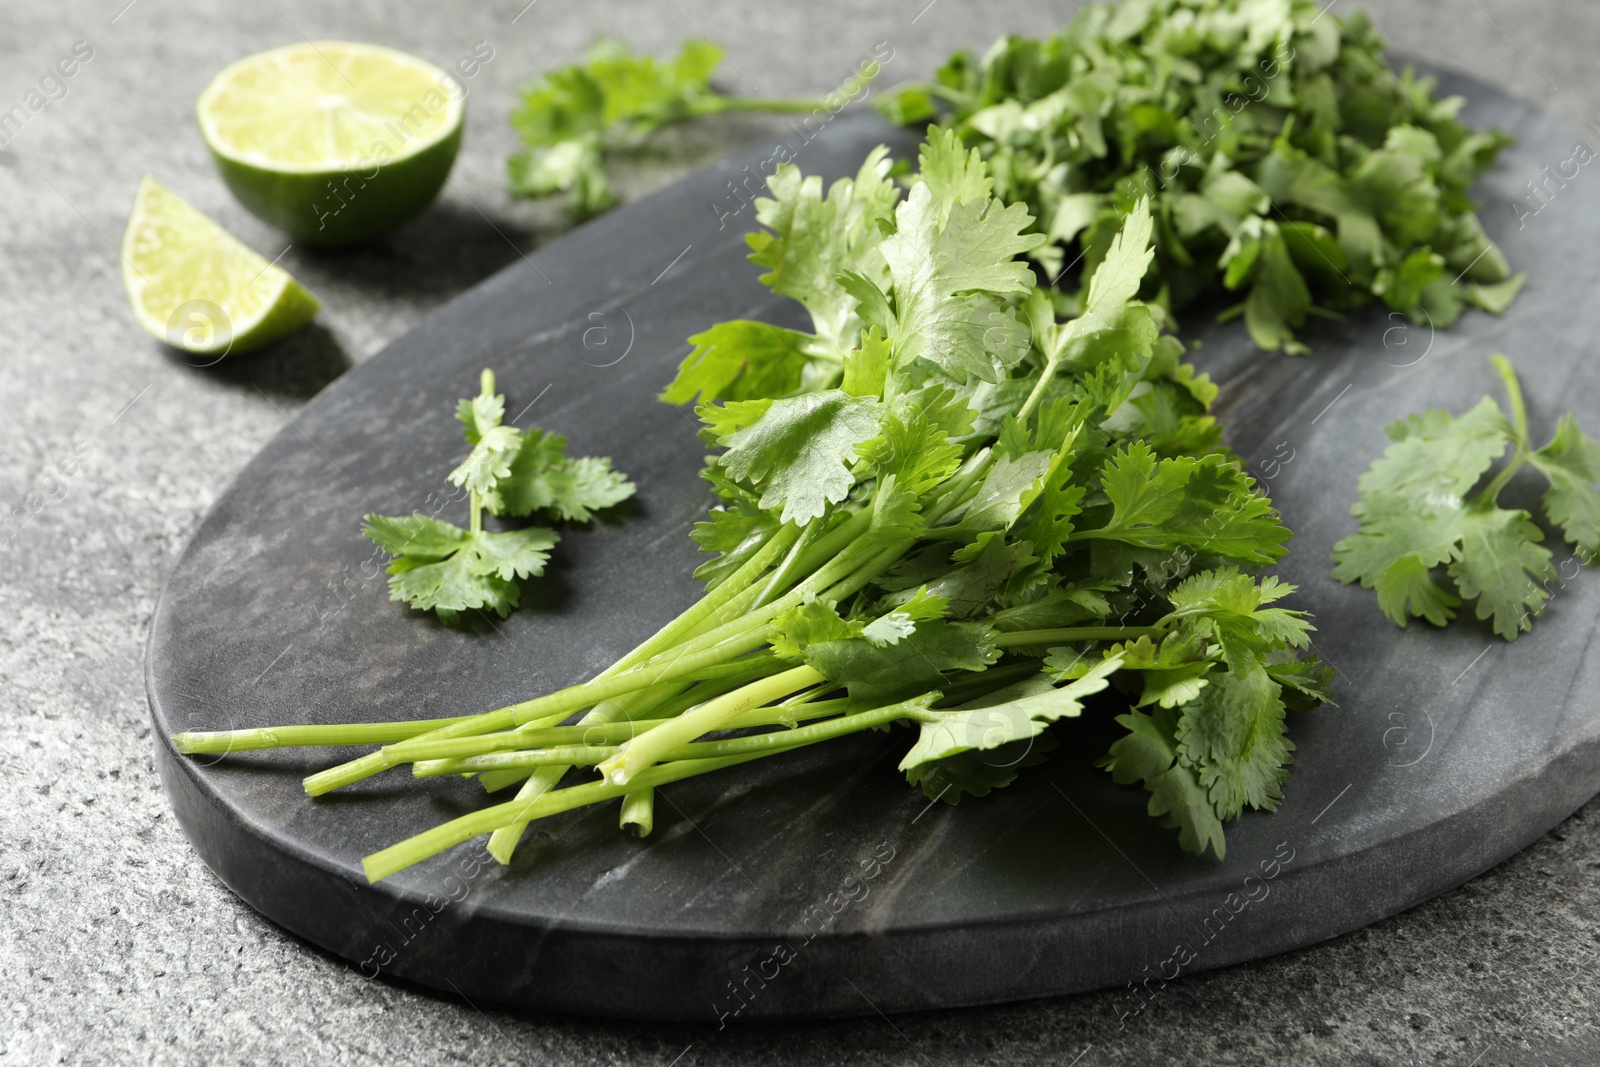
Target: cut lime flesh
column 197, row 287
column 331, row 141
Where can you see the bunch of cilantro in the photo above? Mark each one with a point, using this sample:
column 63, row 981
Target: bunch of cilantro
column 1283, row 159
column 942, row 507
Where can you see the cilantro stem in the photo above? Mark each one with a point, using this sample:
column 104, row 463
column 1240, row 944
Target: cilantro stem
column 503, row 842
column 220, row 742
column 399, row 856
column 712, row 105
column 835, row 542
column 781, row 575
column 635, row 755
column 613, row 733
column 639, row 812
column 527, row 759
column 774, row 740
column 1066, row 635
column 697, row 615
column 959, row 485
column 1052, row 363
column 721, row 600
column 1519, row 441
column 934, row 89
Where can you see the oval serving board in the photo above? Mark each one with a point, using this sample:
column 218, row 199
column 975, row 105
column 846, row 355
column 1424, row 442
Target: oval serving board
column 819, row 883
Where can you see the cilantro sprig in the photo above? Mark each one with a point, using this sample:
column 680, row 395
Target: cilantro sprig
column 943, row 508
column 572, row 118
column 445, row 569
column 1283, row 159
column 1428, row 542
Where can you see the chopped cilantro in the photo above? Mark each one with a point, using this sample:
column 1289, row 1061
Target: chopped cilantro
column 1283, row 159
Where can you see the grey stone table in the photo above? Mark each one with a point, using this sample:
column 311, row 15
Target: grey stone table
column 116, row 943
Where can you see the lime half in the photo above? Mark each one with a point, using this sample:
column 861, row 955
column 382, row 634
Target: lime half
column 196, row 287
column 331, row 141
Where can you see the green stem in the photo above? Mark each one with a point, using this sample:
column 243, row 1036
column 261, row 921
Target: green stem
column 1039, row 387
column 1519, row 443
column 639, row 812
column 771, row 741
column 730, row 597
column 647, row 748
column 751, row 103
column 707, row 606
column 704, row 691
column 554, row 756
column 835, row 541
column 503, row 842
column 934, row 89
column 399, row 856
column 597, row 737
column 956, row 488
column 1065, row 635
column 612, row 719
column 780, row 577
column 221, row 742
column 708, row 649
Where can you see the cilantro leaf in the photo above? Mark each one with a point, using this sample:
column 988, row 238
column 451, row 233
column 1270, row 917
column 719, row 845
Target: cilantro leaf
column 1150, row 754
column 880, row 673
column 1000, row 719
column 798, row 450
column 1232, row 733
column 543, row 478
column 1572, row 463
column 1416, row 515
column 811, row 240
column 739, row 360
column 443, row 568
column 570, row 116
column 476, row 573
column 735, row 533
column 1204, row 503
column 946, row 275
column 488, row 462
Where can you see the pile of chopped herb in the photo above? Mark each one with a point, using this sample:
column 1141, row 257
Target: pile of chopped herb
column 1285, row 162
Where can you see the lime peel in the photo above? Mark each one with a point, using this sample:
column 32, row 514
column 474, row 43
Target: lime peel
column 334, row 142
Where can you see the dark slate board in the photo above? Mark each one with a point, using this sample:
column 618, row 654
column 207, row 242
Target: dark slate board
column 1448, row 751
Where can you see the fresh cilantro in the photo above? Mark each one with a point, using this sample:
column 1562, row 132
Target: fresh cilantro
column 949, row 504
column 1283, row 159
column 1428, row 543
column 572, row 118
column 448, row 570
column 797, row 451
column 1003, row 717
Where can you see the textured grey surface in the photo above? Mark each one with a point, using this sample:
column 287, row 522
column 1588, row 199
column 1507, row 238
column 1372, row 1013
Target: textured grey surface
column 117, row 945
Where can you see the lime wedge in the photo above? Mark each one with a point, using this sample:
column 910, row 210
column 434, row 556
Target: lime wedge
column 331, row 141
column 196, row 287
